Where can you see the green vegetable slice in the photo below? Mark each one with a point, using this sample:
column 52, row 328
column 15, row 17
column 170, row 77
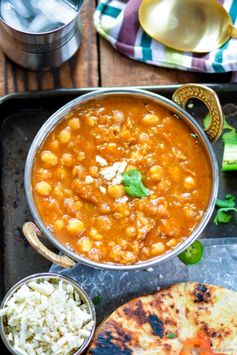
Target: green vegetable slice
column 133, row 185
column 229, row 161
column 192, row 254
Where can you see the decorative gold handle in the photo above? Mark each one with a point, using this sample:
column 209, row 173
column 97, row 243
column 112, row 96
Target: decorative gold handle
column 210, row 99
column 31, row 232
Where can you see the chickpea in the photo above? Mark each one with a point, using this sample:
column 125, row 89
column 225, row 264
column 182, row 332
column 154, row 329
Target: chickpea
column 43, row 188
column 91, row 121
column 171, row 243
column 74, row 170
column 78, row 205
column 189, row 212
column 59, row 225
column 93, row 170
column 136, row 155
column 44, row 174
column 81, row 156
column 94, row 254
column 143, row 137
column 85, row 245
column 116, row 253
column 74, row 123
column 104, row 223
column 49, row 158
column 116, row 191
column 68, row 193
column 131, row 231
column 150, row 161
column 79, row 215
column 118, row 117
column 70, row 206
column 75, row 226
column 157, row 248
column 58, row 191
column 189, row 183
column 156, row 172
column 150, row 119
column 65, row 135
column 67, row 160
column 123, row 243
column 95, row 234
column 61, row 173
column 104, row 208
column 122, row 211
column 78, row 171
column 145, row 251
column 54, row 145
column 128, row 256
column 126, row 134
column 162, row 211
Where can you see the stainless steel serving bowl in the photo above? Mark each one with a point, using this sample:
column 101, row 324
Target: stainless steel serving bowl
column 48, row 276
column 181, row 96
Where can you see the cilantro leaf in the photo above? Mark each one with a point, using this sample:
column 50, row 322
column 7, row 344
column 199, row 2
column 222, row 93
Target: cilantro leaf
column 133, row 185
column 225, row 207
column 228, row 202
column 171, row 336
column 222, row 217
column 97, row 299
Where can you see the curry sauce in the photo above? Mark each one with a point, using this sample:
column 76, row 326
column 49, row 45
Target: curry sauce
column 79, row 180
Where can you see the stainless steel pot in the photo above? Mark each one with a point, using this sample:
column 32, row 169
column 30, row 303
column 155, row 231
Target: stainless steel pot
column 180, row 98
column 42, row 50
column 48, row 276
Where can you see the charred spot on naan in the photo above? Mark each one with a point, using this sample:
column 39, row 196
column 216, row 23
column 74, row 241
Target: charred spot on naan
column 113, row 341
column 157, row 325
column 202, row 294
column 219, row 332
column 136, row 311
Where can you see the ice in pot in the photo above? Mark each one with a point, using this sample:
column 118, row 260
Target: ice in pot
column 37, row 15
column 40, row 27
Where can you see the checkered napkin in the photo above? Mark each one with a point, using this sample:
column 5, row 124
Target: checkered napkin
column 117, row 21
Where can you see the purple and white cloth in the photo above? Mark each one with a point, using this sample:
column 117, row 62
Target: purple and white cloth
column 117, row 21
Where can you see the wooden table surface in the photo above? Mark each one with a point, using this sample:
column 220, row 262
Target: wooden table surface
column 95, row 64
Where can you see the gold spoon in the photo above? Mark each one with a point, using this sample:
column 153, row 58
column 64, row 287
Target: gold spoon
column 187, row 25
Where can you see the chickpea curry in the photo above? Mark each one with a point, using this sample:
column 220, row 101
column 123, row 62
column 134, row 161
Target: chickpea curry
column 121, row 180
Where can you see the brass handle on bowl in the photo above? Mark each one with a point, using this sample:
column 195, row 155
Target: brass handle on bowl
column 210, row 99
column 32, row 233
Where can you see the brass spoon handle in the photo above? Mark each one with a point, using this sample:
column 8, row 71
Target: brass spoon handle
column 234, row 32
column 210, row 99
column 32, row 233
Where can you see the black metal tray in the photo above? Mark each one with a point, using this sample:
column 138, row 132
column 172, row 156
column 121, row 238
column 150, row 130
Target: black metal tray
column 21, row 116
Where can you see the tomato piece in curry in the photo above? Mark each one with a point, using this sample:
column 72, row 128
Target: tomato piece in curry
column 79, row 189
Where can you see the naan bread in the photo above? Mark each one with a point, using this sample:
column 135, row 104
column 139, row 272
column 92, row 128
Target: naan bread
column 145, row 324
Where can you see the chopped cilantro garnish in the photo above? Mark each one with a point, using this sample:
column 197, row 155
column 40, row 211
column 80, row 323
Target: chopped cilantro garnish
column 228, row 202
column 97, row 299
column 171, row 336
column 133, row 185
column 225, row 207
